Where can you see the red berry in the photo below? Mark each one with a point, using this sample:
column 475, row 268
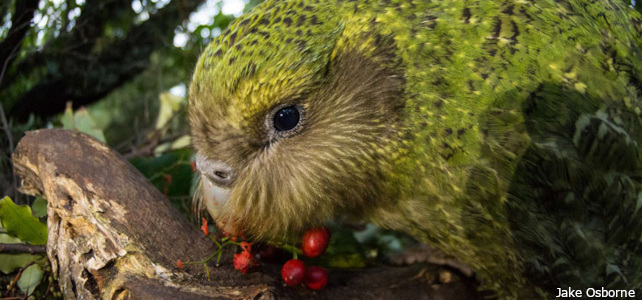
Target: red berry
column 315, row 241
column 179, row 264
column 316, row 278
column 293, row 272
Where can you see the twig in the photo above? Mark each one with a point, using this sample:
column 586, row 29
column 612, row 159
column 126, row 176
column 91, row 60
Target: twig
column 49, row 287
column 148, row 146
column 5, row 123
column 22, row 248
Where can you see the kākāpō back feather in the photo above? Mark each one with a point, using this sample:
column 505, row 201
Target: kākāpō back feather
column 574, row 202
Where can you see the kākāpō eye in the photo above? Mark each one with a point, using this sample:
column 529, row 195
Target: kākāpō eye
column 286, row 118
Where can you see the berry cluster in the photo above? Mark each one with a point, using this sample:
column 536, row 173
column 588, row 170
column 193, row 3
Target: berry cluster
column 294, row 271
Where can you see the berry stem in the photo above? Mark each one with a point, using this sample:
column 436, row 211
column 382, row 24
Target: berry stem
column 215, row 241
column 289, row 248
column 218, row 253
column 218, row 259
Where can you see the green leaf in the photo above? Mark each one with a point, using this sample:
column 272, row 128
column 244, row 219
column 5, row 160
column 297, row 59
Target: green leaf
column 39, row 207
column 182, row 142
column 19, row 222
column 82, row 121
column 178, row 144
column 85, row 123
column 67, row 119
column 11, row 262
column 169, row 105
column 30, row 279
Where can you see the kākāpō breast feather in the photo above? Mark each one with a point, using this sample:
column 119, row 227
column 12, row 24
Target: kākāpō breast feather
column 505, row 133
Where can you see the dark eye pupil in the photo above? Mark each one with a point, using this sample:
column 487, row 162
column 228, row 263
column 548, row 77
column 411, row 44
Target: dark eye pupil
column 286, row 118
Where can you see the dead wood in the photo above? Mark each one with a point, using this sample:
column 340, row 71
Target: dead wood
column 112, row 235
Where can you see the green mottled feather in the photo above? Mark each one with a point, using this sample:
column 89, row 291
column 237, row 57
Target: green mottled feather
column 509, row 135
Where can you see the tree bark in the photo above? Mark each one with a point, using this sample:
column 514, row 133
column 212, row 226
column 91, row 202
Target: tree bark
column 112, row 235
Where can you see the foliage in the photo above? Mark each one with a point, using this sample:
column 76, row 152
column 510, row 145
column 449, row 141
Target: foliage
column 20, row 226
column 11, row 262
column 30, row 279
column 172, row 174
column 81, row 121
column 39, row 207
column 19, row 222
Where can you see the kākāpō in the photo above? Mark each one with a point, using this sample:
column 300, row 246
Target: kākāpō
column 505, row 133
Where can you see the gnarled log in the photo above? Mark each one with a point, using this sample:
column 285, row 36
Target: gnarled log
column 112, row 235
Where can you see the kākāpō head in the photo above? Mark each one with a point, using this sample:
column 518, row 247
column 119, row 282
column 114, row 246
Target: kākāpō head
column 290, row 134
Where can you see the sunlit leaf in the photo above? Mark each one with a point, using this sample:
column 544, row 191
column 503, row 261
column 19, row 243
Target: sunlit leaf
column 169, row 105
column 85, row 123
column 19, row 221
column 67, row 118
column 181, row 142
column 82, row 121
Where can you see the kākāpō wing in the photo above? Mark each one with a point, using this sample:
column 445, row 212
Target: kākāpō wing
column 560, row 135
column 575, row 198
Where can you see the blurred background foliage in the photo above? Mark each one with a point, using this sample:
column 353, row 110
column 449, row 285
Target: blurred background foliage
column 127, row 63
column 118, row 70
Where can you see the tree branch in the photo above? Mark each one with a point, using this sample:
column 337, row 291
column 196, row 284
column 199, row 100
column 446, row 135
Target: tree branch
column 21, row 248
column 20, row 21
column 90, row 25
column 85, row 79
